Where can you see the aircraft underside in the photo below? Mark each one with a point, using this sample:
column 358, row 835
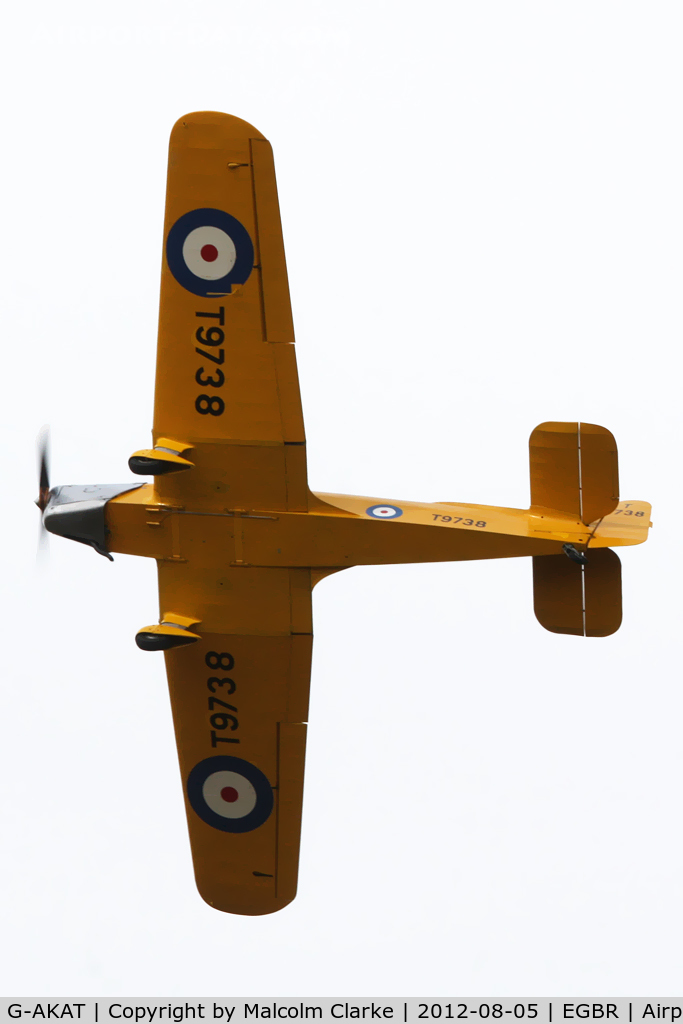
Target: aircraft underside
column 240, row 540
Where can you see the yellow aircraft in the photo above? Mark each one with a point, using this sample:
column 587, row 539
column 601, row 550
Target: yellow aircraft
column 240, row 541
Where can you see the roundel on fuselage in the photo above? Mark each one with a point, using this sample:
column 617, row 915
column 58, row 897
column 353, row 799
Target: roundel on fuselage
column 384, row 511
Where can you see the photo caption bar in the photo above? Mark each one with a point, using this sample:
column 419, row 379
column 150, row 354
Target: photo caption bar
column 228, row 1010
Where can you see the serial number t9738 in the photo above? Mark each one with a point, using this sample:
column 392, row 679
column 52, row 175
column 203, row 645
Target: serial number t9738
column 458, row 519
column 211, row 337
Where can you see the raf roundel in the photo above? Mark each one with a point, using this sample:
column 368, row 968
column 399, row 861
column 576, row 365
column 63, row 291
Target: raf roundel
column 208, row 251
column 384, row 511
column 230, row 794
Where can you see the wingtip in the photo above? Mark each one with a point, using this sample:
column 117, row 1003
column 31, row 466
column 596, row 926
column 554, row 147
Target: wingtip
column 245, row 904
column 210, row 128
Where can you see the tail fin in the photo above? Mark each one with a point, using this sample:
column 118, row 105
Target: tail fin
column 574, row 469
column 584, row 600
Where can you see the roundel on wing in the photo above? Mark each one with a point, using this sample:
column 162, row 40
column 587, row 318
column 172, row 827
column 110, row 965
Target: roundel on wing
column 230, row 794
column 208, row 251
column 384, row 511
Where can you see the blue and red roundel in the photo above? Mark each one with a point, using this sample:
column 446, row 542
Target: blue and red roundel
column 384, row 511
column 208, row 251
column 230, row 794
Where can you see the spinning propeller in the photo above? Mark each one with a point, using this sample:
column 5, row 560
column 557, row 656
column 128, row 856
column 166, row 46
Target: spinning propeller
column 44, row 469
column 43, row 444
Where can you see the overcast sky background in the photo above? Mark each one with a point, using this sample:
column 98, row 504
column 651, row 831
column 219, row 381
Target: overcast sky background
column 482, row 212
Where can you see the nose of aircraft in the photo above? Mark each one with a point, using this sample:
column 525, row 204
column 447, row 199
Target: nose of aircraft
column 78, row 512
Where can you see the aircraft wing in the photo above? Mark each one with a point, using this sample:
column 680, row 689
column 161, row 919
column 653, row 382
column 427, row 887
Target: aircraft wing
column 227, row 394
column 227, row 403
column 240, row 702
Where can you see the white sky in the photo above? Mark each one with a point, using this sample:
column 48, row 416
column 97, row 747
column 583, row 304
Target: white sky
column 483, row 219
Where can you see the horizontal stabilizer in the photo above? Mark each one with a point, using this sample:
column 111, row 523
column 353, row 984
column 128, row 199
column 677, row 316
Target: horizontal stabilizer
column 584, row 600
column 574, row 469
column 628, row 524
